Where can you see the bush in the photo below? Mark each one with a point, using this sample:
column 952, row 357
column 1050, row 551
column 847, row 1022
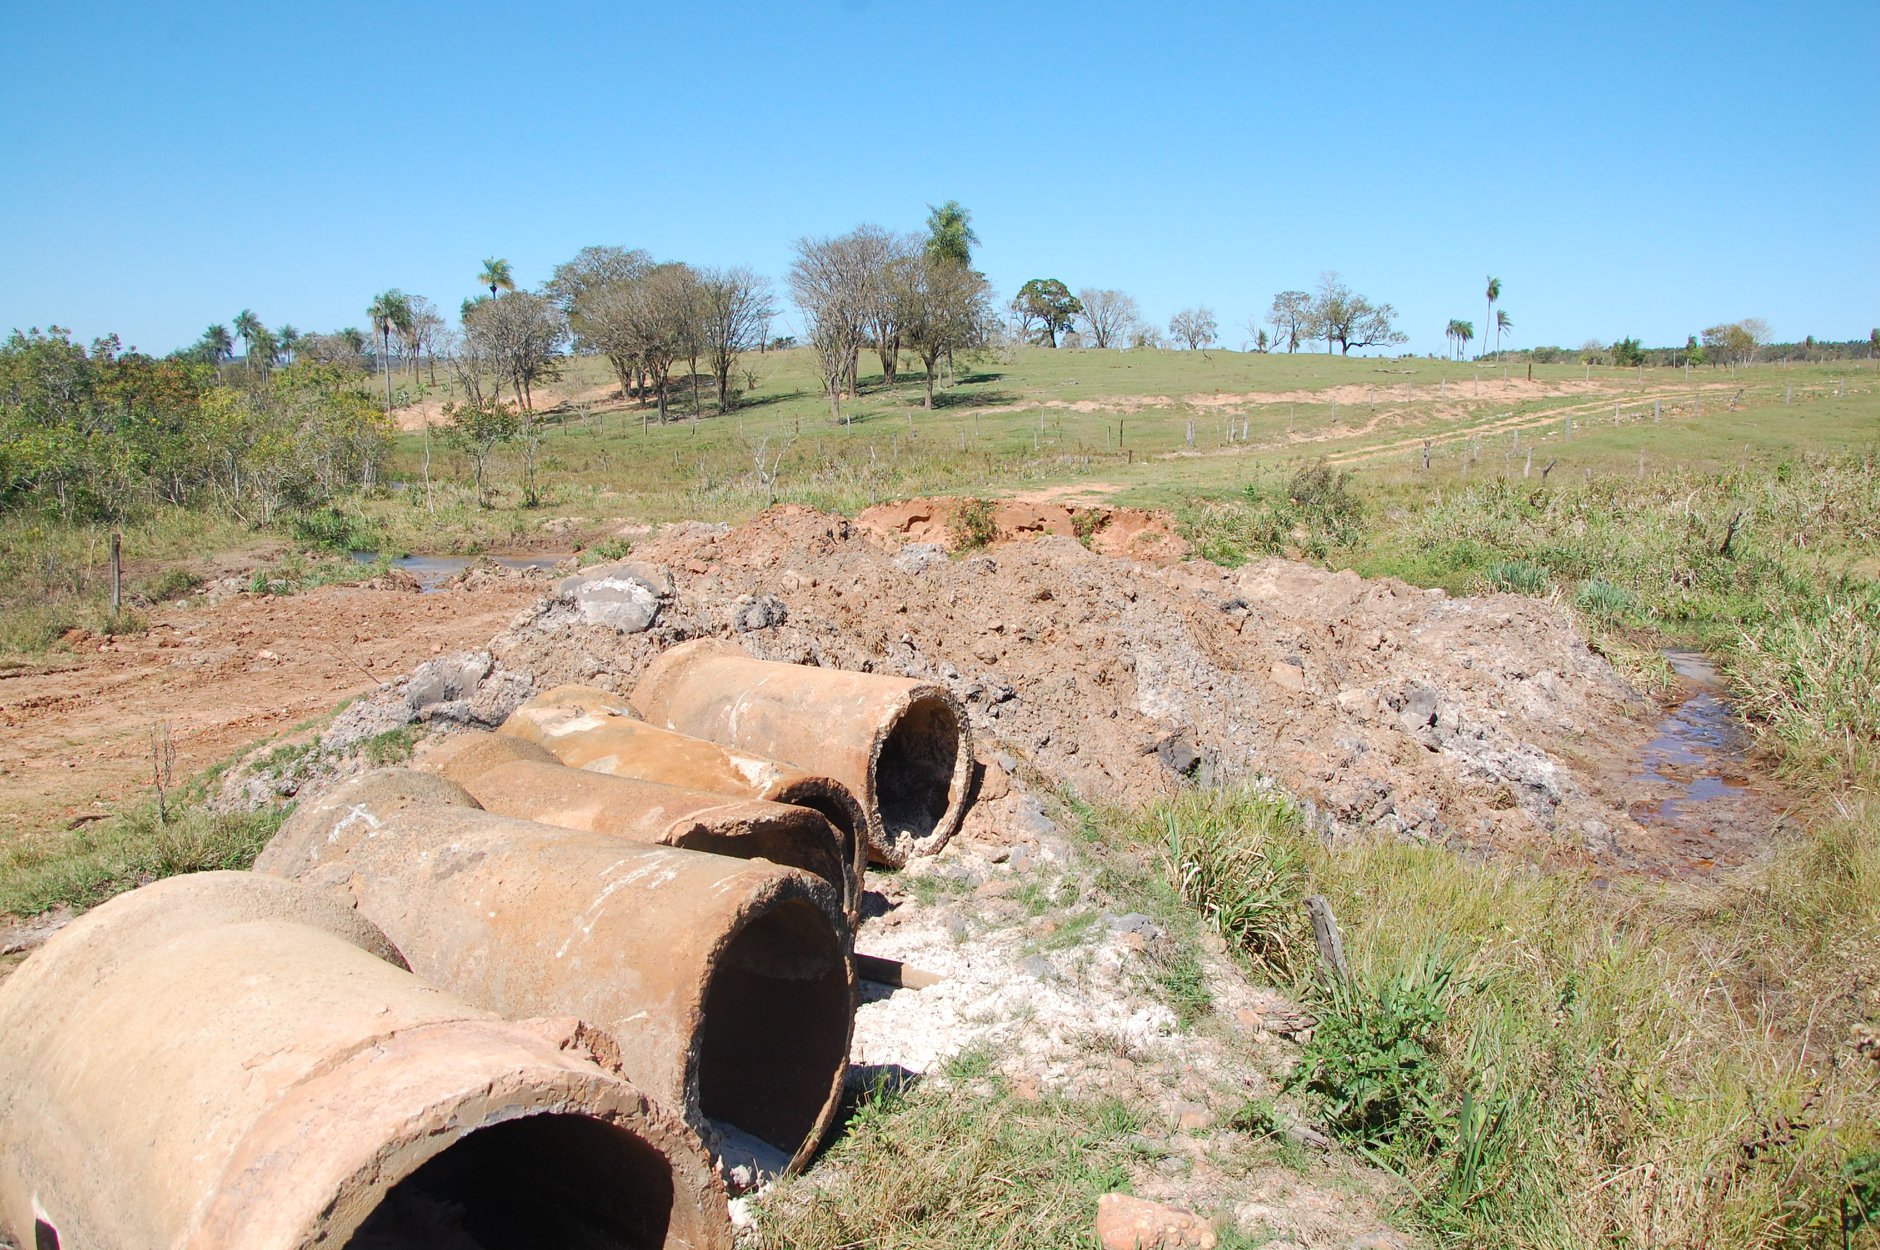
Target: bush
column 329, row 529
column 1237, row 864
column 973, row 526
column 1373, row 1063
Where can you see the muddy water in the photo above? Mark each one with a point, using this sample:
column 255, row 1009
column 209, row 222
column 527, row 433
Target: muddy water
column 1693, row 790
column 432, row 572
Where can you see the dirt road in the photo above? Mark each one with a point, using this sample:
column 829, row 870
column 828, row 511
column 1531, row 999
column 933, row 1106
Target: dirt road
column 75, row 732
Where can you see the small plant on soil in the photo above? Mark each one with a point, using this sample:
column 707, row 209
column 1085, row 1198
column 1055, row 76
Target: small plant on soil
column 1515, row 577
column 973, row 525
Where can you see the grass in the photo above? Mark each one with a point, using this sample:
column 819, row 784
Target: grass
column 1547, row 1066
column 95, row 861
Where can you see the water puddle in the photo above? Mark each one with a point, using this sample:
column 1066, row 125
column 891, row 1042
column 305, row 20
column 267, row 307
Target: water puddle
column 431, row 572
column 1692, row 786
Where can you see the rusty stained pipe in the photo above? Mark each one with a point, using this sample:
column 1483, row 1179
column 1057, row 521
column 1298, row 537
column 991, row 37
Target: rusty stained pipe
column 902, row 746
column 513, row 777
column 725, row 983
column 593, row 730
column 227, row 1061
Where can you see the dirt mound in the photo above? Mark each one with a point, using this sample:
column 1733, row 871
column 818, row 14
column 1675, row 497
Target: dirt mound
column 1130, row 532
column 1483, row 722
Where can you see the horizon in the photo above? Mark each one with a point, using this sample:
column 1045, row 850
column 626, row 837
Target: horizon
column 1212, row 173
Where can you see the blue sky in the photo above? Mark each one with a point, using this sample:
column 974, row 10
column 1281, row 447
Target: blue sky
column 1624, row 169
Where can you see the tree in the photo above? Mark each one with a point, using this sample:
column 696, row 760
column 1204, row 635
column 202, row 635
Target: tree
column 873, row 257
column 1108, row 315
column 1693, row 353
column 945, row 307
column 287, row 338
column 1291, row 318
column 1494, row 293
column 1503, row 325
column 519, row 334
column 478, row 426
column 734, row 307
column 424, row 327
column 1194, row 326
column 1145, row 335
column 389, row 311
column 215, row 344
column 1453, row 332
column 827, row 286
column 1736, row 342
column 1626, row 353
column 496, row 275
column 950, row 233
column 589, row 290
column 247, row 326
column 1049, row 303
column 1873, row 343
column 1465, row 334
column 1341, row 316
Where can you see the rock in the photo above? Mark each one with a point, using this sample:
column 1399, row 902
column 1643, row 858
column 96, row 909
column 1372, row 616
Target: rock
column 625, row 596
column 1419, row 709
column 1029, row 818
column 1358, row 703
column 1134, row 922
column 446, row 679
column 1040, row 967
column 1126, row 1223
column 994, row 782
column 1192, row 1117
column 1177, row 753
column 761, row 612
column 1288, row 676
column 917, row 558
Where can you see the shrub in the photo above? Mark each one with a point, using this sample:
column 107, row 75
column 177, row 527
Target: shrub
column 329, row 529
column 1603, row 600
column 1235, row 863
column 973, row 526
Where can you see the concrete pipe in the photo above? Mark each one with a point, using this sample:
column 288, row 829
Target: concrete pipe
column 593, row 730
column 725, row 983
column 513, row 777
column 903, row 746
column 225, row 1061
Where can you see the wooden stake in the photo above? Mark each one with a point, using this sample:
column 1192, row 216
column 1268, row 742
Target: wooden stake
column 117, row 573
column 1331, row 944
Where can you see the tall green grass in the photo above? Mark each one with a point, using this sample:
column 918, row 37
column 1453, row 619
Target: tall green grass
column 1550, row 1066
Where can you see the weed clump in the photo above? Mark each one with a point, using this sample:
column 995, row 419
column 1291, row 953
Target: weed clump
column 973, row 526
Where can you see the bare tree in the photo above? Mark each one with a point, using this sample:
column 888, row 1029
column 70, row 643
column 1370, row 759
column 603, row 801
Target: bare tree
column 826, row 282
column 1342, row 316
column 735, row 309
column 1195, row 326
column 1291, row 318
column 875, row 256
column 945, row 306
column 1108, row 315
column 519, row 334
column 421, row 334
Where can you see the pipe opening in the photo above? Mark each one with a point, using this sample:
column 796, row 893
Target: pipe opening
column 543, row 1182
column 775, row 1036
column 914, row 774
column 793, row 840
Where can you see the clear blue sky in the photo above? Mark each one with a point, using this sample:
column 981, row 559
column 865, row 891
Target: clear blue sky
column 1625, row 169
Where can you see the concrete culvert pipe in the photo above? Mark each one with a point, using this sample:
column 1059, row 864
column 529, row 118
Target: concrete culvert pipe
column 593, row 730
column 902, row 746
column 725, row 983
column 512, row 777
column 230, row 1062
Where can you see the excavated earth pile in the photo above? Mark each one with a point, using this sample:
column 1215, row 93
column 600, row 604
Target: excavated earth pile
column 1485, row 722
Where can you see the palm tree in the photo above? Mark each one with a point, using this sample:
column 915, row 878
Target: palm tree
column 1453, row 332
column 950, row 233
column 216, row 343
column 1494, row 293
column 287, row 338
column 247, row 326
column 1503, row 324
column 1465, row 331
column 389, row 310
column 496, row 274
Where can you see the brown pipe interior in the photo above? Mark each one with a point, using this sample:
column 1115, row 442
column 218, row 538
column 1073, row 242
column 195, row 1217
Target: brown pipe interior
column 915, row 769
column 779, row 840
column 776, row 1028
column 542, row 1182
